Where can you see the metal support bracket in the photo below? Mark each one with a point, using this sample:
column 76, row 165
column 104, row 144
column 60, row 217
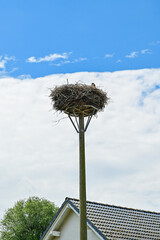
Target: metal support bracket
column 76, row 124
column 77, row 129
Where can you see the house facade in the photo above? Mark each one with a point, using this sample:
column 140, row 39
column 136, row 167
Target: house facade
column 103, row 222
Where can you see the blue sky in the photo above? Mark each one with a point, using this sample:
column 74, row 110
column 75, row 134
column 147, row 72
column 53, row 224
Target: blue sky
column 39, row 38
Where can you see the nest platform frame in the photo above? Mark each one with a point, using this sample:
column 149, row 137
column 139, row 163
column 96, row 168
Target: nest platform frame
column 87, row 113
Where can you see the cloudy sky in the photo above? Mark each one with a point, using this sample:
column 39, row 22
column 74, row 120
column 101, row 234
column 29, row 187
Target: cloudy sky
column 115, row 44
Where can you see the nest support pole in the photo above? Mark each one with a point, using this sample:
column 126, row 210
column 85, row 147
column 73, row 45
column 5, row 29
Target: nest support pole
column 82, row 179
column 81, row 127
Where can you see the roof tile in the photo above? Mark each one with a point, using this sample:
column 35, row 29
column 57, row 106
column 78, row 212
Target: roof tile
column 122, row 223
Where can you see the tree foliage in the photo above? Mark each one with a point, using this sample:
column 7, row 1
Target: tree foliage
column 27, row 220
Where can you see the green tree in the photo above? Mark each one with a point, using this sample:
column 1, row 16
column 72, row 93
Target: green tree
column 27, row 220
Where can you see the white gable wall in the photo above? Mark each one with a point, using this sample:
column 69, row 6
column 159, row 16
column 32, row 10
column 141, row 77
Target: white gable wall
column 70, row 227
column 69, row 230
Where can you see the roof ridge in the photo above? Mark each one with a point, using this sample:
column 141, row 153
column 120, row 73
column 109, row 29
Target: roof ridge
column 110, row 205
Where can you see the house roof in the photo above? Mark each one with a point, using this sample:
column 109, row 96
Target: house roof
column 112, row 222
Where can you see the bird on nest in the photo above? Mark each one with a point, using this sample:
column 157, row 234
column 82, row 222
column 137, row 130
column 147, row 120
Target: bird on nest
column 93, row 85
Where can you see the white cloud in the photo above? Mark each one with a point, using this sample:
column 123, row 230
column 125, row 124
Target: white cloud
column 4, row 60
column 108, row 55
column 31, row 59
column 132, row 55
column 70, row 61
column 81, row 59
column 49, row 58
column 135, row 53
column 63, row 59
column 146, row 51
column 2, row 64
column 11, row 58
column 38, row 157
column 24, row 76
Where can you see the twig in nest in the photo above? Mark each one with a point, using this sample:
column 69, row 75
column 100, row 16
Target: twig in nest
column 74, row 99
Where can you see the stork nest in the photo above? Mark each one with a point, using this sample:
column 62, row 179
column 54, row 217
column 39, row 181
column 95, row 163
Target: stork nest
column 75, row 99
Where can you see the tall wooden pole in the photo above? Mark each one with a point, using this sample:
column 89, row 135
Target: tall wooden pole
column 82, row 179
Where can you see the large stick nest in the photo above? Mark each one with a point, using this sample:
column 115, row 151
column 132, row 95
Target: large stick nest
column 74, row 99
